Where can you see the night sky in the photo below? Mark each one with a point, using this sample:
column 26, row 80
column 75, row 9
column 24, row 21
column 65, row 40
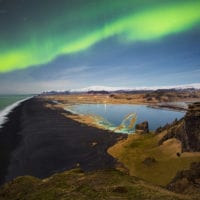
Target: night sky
column 64, row 44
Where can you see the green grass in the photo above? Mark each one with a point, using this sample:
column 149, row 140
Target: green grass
column 136, row 149
column 75, row 185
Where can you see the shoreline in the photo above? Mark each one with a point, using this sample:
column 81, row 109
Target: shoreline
column 91, row 119
column 45, row 142
column 62, row 101
column 5, row 112
column 168, row 107
column 9, row 138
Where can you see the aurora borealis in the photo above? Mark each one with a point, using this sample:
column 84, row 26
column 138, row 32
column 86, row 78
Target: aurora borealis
column 49, row 37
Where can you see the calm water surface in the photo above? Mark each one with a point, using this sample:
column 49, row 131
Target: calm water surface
column 116, row 113
column 6, row 100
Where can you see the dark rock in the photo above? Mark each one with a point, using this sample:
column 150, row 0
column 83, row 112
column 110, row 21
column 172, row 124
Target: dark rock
column 120, row 189
column 98, row 92
column 186, row 179
column 178, row 154
column 167, row 126
column 142, row 127
column 192, row 126
column 187, row 130
column 149, row 161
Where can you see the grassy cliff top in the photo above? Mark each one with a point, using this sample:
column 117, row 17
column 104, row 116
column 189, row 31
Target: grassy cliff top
column 145, row 158
column 75, row 184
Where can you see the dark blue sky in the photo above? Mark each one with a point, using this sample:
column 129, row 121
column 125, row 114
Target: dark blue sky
column 167, row 59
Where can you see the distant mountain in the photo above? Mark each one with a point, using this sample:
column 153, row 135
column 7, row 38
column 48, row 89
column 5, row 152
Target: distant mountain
column 99, row 88
column 113, row 89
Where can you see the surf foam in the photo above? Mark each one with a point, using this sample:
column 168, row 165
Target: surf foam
column 4, row 113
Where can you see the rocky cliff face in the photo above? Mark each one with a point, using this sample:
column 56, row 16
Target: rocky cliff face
column 187, row 130
column 192, row 126
column 142, row 128
column 187, row 181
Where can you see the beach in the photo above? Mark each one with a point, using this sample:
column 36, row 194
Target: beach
column 39, row 141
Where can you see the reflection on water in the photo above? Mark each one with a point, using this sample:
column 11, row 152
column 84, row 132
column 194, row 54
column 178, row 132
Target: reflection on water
column 122, row 117
column 127, row 124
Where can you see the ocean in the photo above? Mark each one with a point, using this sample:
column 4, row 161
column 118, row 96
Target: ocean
column 9, row 102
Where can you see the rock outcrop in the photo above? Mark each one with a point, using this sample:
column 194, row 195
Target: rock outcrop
column 187, row 130
column 142, row 128
column 192, row 126
column 186, row 181
column 149, row 161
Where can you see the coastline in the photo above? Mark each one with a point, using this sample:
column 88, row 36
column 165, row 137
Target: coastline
column 179, row 104
column 39, row 141
column 94, row 121
column 168, row 107
column 50, row 142
column 5, row 112
column 9, row 138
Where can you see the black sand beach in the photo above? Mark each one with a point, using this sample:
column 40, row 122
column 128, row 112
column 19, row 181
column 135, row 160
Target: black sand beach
column 39, row 141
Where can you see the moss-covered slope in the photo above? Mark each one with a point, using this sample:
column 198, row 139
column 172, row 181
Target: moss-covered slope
column 75, row 184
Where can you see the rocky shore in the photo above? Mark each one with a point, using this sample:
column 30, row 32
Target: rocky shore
column 39, row 141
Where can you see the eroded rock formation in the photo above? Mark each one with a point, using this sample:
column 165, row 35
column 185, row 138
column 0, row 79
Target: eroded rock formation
column 142, row 128
column 186, row 181
column 187, row 130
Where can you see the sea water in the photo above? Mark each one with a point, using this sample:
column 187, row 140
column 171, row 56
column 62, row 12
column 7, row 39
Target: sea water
column 115, row 114
column 8, row 103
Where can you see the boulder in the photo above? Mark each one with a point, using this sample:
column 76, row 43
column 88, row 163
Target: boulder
column 186, row 180
column 142, row 128
column 149, row 161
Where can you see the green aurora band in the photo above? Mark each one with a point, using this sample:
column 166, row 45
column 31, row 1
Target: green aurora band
column 145, row 25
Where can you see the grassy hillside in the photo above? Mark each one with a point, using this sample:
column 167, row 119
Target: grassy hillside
column 138, row 151
column 75, row 184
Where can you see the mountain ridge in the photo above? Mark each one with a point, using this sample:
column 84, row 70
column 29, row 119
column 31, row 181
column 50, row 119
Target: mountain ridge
column 112, row 89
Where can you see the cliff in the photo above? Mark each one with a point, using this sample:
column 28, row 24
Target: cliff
column 187, row 181
column 187, row 130
column 75, row 184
